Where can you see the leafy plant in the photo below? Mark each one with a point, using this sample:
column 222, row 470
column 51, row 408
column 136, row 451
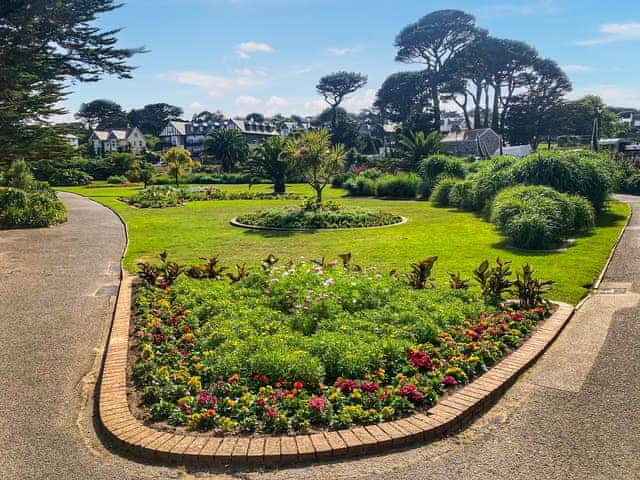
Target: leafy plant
column 530, row 288
column 494, row 281
column 419, row 277
column 269, row 262
column 456, row 282
column 211, row 269
column 241, row 273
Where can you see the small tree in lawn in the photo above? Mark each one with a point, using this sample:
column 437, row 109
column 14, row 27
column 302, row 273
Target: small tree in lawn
column 178, row 161
column 315, row 160
column 267, row 162
column 147, row 172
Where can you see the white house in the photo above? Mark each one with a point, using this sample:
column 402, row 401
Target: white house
column 72, row 140
column 106, row 141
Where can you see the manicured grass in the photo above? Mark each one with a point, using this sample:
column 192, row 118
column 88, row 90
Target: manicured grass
column 460, row 240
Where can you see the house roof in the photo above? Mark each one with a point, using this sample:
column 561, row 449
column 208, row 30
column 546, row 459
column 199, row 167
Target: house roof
column 467, row 135
column 256, row 128
column 119, row 134
column 181, row 127
column 101, row 134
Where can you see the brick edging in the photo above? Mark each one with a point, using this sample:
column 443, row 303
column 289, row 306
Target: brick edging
column 447, row 416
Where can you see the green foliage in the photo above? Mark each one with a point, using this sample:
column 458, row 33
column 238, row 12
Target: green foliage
column 29, row 209
column 313, row 216
column 360, row 186
column 415, row 146
column 536, row 217
column 442, row 190
column 584, row 173
column 404, row 185
column 117, row 180
column 584, row 214
column 18, row 175
column 432, row 167
column 267, row 162
column 229, row 147
column 69, row 177
column 314, row 159
column 461, row 195
column 178, row 161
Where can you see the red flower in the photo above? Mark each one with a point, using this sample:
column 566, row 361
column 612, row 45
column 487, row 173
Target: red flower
column 273, row 412
column 297, row 385
column 411, row 393
column 347, row 386
column 233, row 378
column 449, row 380
column 420, row 359
column 281, row 383
column 371, row 387
column 261, row 401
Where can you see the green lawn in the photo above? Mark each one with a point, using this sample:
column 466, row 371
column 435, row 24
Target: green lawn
column 461, row 240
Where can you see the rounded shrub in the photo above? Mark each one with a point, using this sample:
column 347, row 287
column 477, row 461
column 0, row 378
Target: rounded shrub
column 361, row 186
column 442, row 190
column 436, row 165
column 116, row 180
column 398, row 186
column 584, row 215
column 69, row 177
column 461, row 195
column 537, row 217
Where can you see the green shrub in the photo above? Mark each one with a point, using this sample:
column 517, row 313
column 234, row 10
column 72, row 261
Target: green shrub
column 583, row 212
column 326, row 216
column 69, row 177
column 631, row 184
column 432, row 167
column 340, row 180
column 117, row 180
column 361, row 186
column 535, row 217
column 461, row 195
column 26, row 209
column 398, row 186
column 584, row 173
column 442, row 190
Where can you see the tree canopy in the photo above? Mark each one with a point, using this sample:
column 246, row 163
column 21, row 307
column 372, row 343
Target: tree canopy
column 336, row 86
column 229, row 147
column 102, row 115
column 152, row 118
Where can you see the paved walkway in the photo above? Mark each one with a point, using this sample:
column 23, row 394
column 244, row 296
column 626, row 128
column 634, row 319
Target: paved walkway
column 56, row 300
column 572, row 416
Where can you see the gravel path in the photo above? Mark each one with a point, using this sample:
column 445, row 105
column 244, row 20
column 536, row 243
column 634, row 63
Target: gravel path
column 574, row 415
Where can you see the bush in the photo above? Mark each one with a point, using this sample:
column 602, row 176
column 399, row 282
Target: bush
column 434, row 166
column 583, row 211
column 398, row 186
column 326, row 216
column 584, row 173
column 117, row 180
column 442, row 190
column 631, row 184
column 27, row 209
column 537, row 217
column 69, row 177
column 461, row 195
column 361, row 186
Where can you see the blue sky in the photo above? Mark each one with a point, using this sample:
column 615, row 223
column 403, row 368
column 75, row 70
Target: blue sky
column 240, row 56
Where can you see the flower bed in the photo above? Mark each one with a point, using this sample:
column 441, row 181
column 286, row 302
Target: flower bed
column 311, row 345
column 311, row 216
column 163, row 197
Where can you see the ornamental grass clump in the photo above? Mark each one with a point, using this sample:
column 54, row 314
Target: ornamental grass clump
column 311, row 345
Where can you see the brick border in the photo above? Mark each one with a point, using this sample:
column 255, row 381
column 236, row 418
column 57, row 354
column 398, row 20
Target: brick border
column 447, row 416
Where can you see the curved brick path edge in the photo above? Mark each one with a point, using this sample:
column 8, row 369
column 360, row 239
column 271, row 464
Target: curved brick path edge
column 446, row 417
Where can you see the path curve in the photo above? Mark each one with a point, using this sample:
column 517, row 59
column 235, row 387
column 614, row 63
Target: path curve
column 56, row 301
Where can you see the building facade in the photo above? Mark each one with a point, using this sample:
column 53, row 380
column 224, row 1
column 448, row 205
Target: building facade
column 130, row 140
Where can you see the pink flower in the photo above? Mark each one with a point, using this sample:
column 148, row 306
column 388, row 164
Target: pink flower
column 272, row 412
column 317, row 403
column 371, row 387
column 449, row 380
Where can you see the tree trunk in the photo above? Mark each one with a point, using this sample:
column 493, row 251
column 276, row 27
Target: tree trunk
column 436, row 107
column 318, row 195
column 495, row 119
column 279, row 186
column 486, row 106
column 177, row 180
column 476, row 100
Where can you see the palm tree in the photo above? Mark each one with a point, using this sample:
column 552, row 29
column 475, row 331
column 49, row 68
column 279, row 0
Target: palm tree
column 266, row 162
column 415, row 146
column 178, row 161
column 315, row 160
column 228, row 146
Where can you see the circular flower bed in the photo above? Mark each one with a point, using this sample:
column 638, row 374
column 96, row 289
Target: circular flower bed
column 312, row 216
column 307, row 346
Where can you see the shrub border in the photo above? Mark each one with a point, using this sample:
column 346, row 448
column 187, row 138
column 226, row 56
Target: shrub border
column 448, row 416
column 235, row 223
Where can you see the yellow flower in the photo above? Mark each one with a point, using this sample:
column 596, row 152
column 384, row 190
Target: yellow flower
column 230, row 403
column 194, row 384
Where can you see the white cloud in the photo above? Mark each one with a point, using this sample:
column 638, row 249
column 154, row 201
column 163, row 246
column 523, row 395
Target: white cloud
column 196, row 105
column 613, row 95
column 247, row 101
column 360, row 101
column 576, row 68
column 217, row 85
column 244, row 49
column 248, row 72
column 339, row 52
column 614, row 32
